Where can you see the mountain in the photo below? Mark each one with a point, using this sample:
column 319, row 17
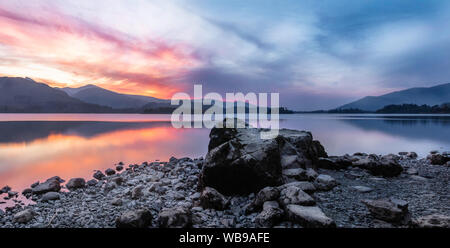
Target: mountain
column 96, row 95
column 25, row 95
column 430, row 96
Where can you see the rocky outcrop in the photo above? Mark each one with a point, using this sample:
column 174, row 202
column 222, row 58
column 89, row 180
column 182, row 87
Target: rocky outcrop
column 239, row 155
column 141, row 218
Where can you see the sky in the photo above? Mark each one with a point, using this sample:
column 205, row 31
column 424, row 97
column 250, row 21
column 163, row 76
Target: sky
column 318, row 54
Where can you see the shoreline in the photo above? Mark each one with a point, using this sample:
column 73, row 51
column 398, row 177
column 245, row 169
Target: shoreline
column 173, row 185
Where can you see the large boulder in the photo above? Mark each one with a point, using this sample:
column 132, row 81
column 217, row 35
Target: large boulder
column 386, row 166
column 141, row 218
column 294, row 195
column 240, row 162
column 50, row 185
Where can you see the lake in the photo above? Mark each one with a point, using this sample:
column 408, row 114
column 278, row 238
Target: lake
column 38, row 146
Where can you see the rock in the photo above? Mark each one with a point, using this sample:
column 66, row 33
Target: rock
column 325, row 182
column 447, row 164
column 412, row 155
column 403, row 153
column 438, row 159
column 50, row 196
column 137, row 193
column 434, row 152
column 141, row 218
column 266, row 194
column 27, row 191
column 118, row 180
column 110, row 172
column 386, row 166
column 362, row 189
column 418, row 178
column 311, row 217
column 34, row 184
column 305, row 186
column 119, row 167
column 5, row 189
column 334, row 163
column 298, row 174
column 211, row 198
column 116, row 202
column 92, row 182
column 12, row 194
column 76, row 183
column 391, row 210
column 294, row 195
column 311, row 174
column 240, row 156
column 24, row 216
column 270, row 216
column 432, row 221
column 99, row 175
column 412, row 171
column 50, row 185
column 177, row 217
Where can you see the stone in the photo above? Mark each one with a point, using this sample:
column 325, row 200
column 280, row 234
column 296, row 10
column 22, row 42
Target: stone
column 311, row 174
column 12, row 194
column 177, row 217
column 412, row 155
column 5, row 189
column 119, row 167
column 386, row 166
column 297, row 174
column 294, row 195
column 211, row 198
column 403, row 153
column 92, row 182
column 27, row 191
column 362, row 189
column 118, row 180
column 269, row 216
column 140, row 218
column 50, row 196
column 116, row 202
column 432, row 221
column 76, row 183
column 325, row 182
column 24, row 216
column 447, row 164
column 137, row 193
column 334, row 163
column 99, row 175
column 438, row 159
column 240, row 156
column 418, row 178
column 305, row 186
column 308, row 216
column 50, row 185
column 390, row 210
column 34, row 184
column 412, row 171
column 266, row 194
column 110, row 172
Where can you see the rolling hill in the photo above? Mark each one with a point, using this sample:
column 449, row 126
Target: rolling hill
column 23, row 95
column 430, row 96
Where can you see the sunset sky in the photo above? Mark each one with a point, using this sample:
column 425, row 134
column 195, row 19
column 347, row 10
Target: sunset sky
column 316, row 54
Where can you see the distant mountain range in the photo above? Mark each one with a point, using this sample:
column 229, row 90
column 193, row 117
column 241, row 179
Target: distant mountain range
column 96, row 95
column 23, row 95
column 420, row 96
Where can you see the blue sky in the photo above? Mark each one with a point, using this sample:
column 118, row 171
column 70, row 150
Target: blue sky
column 317, row 54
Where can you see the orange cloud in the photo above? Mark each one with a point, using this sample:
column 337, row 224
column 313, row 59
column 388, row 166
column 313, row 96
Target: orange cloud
column 67, row 51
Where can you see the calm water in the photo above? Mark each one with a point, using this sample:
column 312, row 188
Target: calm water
column 37, row 146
